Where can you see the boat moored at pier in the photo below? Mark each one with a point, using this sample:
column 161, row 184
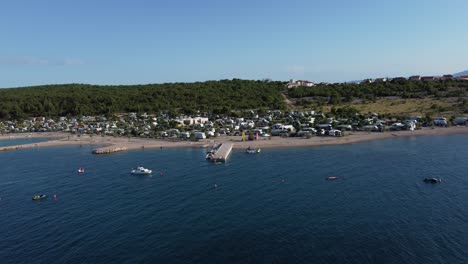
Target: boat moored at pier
column 220, row 153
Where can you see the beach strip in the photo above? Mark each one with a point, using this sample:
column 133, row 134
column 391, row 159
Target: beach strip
column 110, row 144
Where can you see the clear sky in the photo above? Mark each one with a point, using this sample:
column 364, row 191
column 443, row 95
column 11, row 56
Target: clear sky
column 138, row 41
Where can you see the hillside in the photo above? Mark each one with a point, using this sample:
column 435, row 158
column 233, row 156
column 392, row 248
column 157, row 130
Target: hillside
column 463, row 73
column 393, row 98
column 401, row 97
column 82, row 99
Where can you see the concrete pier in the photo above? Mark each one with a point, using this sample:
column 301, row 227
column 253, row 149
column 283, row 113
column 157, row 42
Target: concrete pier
column 222, row 152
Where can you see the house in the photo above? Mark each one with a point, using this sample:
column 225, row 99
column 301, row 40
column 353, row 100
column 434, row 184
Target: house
column 305, row 83
column 427, row 78
column 447, row 77
column 293, row 84
column 399, row 79
column 463, row 77
column 414, row 78
column 380, row 80
column 367, row 81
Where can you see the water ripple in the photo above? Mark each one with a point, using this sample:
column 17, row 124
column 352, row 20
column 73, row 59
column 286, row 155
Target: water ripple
column 275, row 207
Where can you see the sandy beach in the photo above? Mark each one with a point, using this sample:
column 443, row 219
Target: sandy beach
column 109, row 144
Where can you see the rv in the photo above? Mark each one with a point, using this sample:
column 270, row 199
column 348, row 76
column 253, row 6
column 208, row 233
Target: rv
column 461, row 121
column 199, row 135
column 279, row 129
column 440, row 121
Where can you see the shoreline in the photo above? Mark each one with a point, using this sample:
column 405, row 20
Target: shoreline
column 109, row 144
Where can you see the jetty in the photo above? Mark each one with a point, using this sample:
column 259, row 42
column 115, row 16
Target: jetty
column 9, row 148
column 221, row 152
column 109, row 150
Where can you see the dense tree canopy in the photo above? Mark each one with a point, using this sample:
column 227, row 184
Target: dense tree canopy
column 81, row 99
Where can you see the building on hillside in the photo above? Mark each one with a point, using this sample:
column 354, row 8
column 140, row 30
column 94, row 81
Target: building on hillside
column 428, row 78
column 414, row 78
column 398, row 79
column 463, row 77
column 293, row 83
column 380, row 80
column 447, row 77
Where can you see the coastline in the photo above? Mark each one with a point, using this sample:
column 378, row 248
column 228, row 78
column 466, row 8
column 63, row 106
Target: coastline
column 109, row 144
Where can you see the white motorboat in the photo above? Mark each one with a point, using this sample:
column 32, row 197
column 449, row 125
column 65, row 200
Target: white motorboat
column 141, row 171
column 252, row 150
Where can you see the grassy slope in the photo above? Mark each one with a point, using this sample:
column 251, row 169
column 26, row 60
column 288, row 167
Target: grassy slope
column 398, row 106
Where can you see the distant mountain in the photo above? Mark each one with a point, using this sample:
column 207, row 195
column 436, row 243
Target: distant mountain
column 460, row 74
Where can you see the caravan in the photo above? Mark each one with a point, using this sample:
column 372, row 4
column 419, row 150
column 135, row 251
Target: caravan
column 199, row 135
column 281, row 130
column 440, row 121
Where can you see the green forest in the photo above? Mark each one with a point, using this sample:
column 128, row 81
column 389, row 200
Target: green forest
column 81, row 99
column 217, row 97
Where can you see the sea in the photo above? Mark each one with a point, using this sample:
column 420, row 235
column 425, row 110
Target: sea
column 276, row 206
column 19, row 141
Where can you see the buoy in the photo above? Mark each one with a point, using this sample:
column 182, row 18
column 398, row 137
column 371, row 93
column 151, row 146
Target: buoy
column 161, row 174
column 216, row 185
column 282, row 180
column 55, row 196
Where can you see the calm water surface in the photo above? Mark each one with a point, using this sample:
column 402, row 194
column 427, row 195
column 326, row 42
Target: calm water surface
column 272, row 207
column 20, row 141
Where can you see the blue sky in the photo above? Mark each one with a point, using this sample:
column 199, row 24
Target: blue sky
column 138, row 41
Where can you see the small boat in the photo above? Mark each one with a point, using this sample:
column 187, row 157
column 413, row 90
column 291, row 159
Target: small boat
column 209, row 154
column 39, row 197
column 432, row 180
column 332, row 178
column 252, row 150
column 81, row 170
column 141, row 171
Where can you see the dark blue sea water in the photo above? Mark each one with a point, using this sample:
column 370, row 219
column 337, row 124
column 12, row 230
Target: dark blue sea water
column 20, row 141
column 272, row 207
